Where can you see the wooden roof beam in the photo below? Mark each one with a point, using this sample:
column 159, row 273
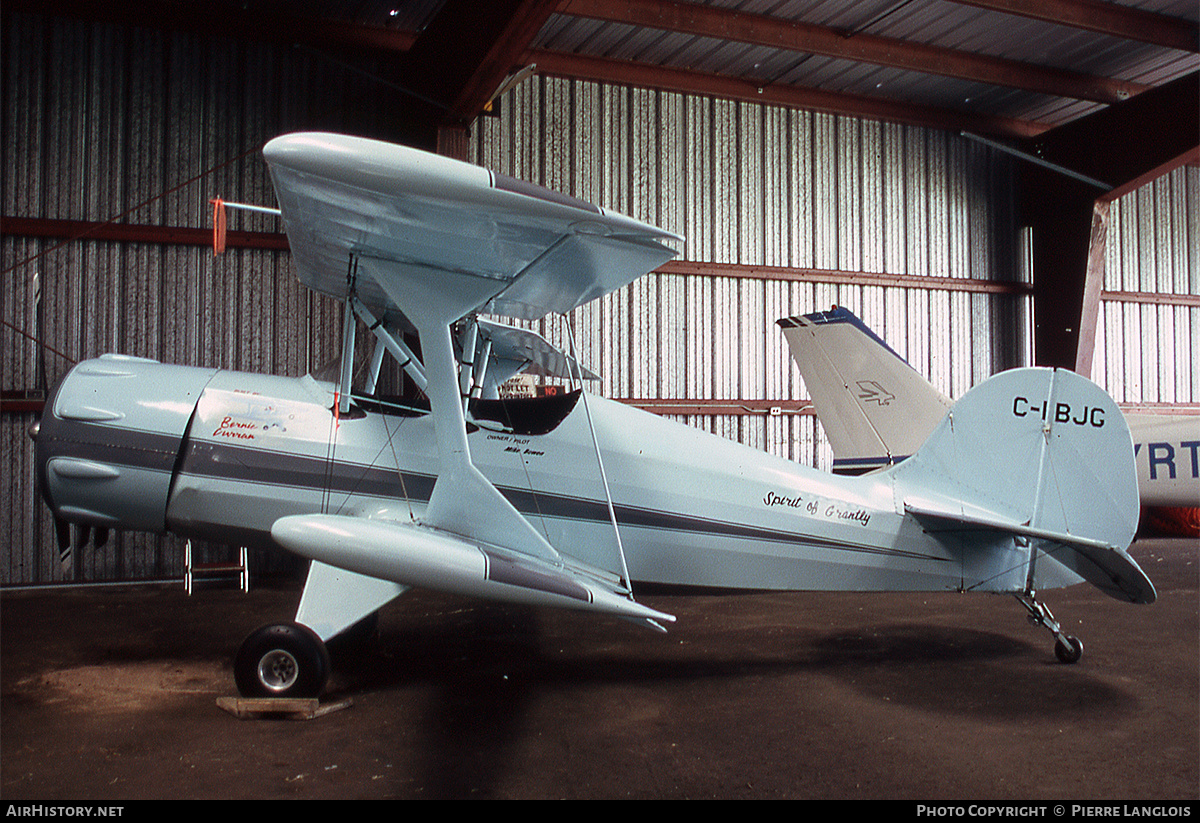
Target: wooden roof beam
column 467, row 50
column 1123, row 145
column 644, row 75
column 774, row 32
column 1106, row 18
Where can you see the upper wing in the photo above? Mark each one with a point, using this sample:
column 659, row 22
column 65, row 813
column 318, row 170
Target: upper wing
column 469, row 239
column 433, row 240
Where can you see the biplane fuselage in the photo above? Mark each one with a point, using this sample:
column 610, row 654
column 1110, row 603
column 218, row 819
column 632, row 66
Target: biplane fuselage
column 692, row 509
column 563, row 501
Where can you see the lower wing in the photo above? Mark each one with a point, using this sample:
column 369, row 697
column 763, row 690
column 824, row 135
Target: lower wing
column 414, row 555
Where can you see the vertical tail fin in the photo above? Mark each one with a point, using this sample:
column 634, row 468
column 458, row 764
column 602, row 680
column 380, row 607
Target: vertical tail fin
column 875, row 409
column 1044, row 455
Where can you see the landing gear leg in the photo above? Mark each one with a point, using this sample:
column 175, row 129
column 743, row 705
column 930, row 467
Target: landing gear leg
column 1068, row 649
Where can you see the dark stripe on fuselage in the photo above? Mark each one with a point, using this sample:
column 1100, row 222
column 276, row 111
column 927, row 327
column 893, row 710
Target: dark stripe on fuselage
column 862, row 465
column 229, row 461
column 114, row 445
column 234, row 462
column 241, row 463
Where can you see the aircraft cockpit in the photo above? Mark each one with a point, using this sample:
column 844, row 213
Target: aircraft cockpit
column 511, row 380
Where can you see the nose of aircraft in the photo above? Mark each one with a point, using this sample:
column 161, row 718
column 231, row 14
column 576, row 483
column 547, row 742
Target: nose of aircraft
column 110, row 434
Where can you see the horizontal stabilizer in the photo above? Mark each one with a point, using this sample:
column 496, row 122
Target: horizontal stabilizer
column 413, row 555
column 1109, row 568
column 1039, row 454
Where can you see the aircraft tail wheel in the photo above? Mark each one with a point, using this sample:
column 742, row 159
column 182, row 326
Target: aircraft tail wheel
column 1068, row 649
column 282, row 660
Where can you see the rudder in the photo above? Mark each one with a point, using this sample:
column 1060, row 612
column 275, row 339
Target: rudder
column 1043, row 454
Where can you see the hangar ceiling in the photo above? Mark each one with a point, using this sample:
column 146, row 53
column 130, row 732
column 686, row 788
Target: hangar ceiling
column 1106, row 89
column 1000, row 67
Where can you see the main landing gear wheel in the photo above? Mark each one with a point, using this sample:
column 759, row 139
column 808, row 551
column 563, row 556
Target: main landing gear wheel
column 284, row 660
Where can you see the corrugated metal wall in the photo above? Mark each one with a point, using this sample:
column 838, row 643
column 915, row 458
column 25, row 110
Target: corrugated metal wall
column 99, row 119
column 1148, row 346
column 757, row 185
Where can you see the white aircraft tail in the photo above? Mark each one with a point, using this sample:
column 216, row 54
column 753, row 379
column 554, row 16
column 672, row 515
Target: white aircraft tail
column 1042, row 455
column 875, row 409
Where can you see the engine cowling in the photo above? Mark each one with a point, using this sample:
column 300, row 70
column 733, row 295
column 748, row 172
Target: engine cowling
column 110, row 438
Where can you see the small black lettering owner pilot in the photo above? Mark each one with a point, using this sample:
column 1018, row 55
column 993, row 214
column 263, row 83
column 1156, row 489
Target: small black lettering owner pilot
column 1062, row 412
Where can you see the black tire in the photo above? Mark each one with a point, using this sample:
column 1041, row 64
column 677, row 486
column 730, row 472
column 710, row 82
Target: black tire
column 1070, row 651
column 282, row 660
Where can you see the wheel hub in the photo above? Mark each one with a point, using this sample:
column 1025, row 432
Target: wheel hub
column 278, row 670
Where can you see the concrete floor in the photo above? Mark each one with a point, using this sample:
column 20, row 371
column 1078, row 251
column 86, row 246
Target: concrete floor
column 110, row 694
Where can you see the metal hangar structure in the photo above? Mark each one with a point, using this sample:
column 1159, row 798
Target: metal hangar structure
column 988, row 183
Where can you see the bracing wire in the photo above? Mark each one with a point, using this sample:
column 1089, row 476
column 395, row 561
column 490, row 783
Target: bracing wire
column 96, row 227
column 612, row 514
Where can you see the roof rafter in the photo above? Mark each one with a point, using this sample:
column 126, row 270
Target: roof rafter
column 645, row 75
column 774, row 32
column 455, row 63
column 1106, row 18
column 468, row 48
